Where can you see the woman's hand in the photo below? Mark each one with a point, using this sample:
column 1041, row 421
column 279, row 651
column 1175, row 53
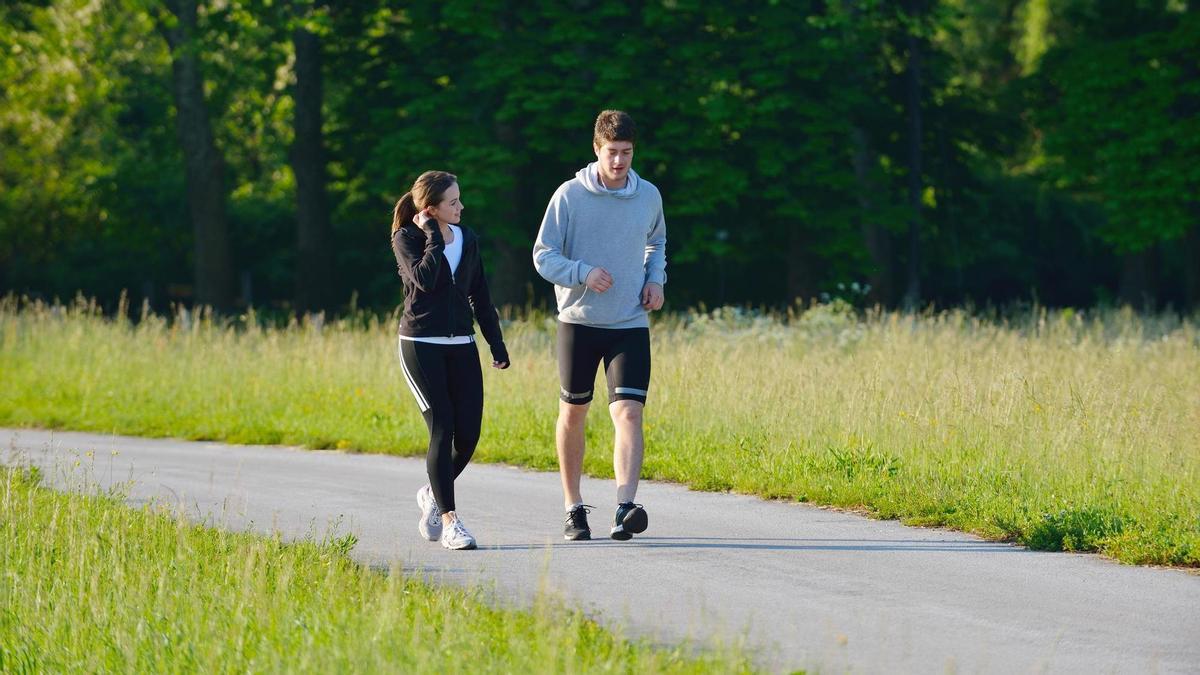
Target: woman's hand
column 424, row 219
column 499, row 356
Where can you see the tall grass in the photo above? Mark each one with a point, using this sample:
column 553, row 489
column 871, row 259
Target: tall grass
column 1059, row 430
column 90, row 585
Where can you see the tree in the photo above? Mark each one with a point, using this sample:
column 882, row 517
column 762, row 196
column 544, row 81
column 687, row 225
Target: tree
column 914, row 13
column 314, row 268
column 862, row 40
column 1119, row 110
column 941, row 150
column 204, row 163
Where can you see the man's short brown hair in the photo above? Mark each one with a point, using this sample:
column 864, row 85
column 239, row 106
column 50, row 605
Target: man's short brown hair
column 614, row 125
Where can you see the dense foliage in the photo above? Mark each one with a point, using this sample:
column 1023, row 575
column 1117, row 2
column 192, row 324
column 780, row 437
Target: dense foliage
column 898, row 152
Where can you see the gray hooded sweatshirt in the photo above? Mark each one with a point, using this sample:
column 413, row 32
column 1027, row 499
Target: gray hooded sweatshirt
column 587, row 226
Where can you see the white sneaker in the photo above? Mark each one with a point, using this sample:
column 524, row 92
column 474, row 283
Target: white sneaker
column 456, row 537
column 430, row 525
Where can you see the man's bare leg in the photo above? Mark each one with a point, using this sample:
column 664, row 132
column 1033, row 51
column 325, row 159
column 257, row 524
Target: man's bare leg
column 569, row 441
column 628, row 447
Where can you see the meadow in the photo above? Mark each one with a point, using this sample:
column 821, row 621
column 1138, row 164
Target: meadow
column 91, row 585
column 1060, row 430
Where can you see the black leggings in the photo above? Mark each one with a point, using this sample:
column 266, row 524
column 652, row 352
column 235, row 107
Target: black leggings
column 448, row 385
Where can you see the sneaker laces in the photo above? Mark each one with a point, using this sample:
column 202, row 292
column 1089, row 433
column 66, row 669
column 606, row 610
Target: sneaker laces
column 574, row 515
column 460, row 530
column 434, row 512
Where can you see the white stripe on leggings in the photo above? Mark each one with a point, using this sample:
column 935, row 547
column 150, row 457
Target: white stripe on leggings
column 412, row 384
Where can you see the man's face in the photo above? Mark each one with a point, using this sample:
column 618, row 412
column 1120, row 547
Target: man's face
column 615, row 157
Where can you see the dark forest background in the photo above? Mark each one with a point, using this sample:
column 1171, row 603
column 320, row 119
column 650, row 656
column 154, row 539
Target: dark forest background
column 243, row 152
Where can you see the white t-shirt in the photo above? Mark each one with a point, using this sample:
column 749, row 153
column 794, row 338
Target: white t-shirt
column 453, row 250
column 453, row 253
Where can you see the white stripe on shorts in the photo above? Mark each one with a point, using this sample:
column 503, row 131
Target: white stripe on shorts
column 629, row 390
column 412, row 384
column 574, row 397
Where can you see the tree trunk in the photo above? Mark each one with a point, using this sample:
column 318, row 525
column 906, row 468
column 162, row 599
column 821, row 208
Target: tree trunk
column 800, row 284
column 875, row 236
column 912, row 86
column 509, row 268
column 1135, row 288
column 203, row 162
column 314, row 268
column 1191, row 267
column 508, row 279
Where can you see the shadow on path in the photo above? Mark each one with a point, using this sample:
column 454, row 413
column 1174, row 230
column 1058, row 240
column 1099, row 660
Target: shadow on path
column 859, row 545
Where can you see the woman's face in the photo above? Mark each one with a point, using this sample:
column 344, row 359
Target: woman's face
column 449, row 210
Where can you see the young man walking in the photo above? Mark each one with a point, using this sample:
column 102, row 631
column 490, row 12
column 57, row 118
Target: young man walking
column 602, row 244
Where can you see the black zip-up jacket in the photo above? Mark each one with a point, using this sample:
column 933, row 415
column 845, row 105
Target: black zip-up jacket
column 438, row 303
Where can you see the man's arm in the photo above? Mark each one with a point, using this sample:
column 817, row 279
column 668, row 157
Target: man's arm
column 655, row 263
column 548, row 257
column 656, row 251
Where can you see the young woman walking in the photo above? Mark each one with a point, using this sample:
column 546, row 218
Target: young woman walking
column 445, row 292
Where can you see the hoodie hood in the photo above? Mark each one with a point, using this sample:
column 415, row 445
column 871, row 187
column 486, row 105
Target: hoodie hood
column 589, row 176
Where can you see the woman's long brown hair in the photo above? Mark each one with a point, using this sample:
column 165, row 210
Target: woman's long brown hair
column 427, row 190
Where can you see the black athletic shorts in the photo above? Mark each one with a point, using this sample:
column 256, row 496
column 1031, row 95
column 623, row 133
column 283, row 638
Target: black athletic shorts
column 626, row 356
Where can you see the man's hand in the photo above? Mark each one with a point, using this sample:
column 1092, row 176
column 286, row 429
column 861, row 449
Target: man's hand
column 599, row 280
column 652, row 296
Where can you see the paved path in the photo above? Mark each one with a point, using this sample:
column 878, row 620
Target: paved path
column 808, row 588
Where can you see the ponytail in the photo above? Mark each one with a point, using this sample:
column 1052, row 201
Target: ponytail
column 426, row 191
column 404, row 212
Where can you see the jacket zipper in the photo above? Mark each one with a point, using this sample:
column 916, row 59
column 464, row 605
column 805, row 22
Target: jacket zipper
column 453, row 291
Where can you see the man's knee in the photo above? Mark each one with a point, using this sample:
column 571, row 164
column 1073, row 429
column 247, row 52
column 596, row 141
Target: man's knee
column 572, row 414
column 627, row 412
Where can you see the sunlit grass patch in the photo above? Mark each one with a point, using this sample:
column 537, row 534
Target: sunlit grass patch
column 1059, row 430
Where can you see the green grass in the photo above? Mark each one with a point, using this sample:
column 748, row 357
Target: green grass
column 1057, row 430
column 90, row 585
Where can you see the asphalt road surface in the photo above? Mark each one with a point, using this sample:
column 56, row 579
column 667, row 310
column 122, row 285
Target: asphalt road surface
column 804, row 587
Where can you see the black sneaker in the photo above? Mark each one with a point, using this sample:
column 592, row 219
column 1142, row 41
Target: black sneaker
column 631, row 519
column 576, row 526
